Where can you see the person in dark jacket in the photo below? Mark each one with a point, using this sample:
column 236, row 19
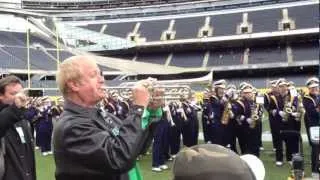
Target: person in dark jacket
column 90, row 143
column 311, row 102
column 15, row 131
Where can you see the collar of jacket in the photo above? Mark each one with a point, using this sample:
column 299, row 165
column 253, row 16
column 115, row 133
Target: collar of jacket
column 2, row 106
column 75, row 108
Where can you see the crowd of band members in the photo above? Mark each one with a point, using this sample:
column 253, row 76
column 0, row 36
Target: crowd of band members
column 42, row 113
column 229, row 115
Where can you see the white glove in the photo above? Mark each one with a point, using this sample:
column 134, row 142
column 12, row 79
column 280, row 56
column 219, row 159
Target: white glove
column 242, row 117
column 295, row 114
column 249, row 120
column 166, row 108
column 224, row 99
column 231, row 115
column 274, row 112
column 282, row 114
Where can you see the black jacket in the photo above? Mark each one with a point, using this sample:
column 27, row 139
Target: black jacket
column 19, row 153
column 87, row 146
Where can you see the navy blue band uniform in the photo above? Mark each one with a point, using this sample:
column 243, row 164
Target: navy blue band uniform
column 282, row 109
column 311, row 102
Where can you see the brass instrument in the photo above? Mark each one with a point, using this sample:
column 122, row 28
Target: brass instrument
column 256, row 109
column 171, row 92
column 288, row 109
column 300, row 109
column 227, row 113
column 254, row 115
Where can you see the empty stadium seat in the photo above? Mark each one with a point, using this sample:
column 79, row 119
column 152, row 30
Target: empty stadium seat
column 187, row 59
column 225, row 57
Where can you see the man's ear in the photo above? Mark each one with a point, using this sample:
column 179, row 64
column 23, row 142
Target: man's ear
column 73, row 86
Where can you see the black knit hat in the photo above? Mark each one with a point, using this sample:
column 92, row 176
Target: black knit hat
column 215, row 162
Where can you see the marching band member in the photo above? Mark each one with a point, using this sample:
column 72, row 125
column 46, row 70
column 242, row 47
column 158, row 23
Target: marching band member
column 245, row 124
column 111, row 104
column 207, row 117
column 218, row 104
column 258, row 114
column 123, row 107
column 282, row 108
column 45, row 127
column 311, row 102
column 176, row 127
column 267, row 100
column 160, row 144
column 187, row 125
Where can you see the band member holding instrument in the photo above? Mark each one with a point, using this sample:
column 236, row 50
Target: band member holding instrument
column 45, row 127
column 90, row 143
column 207, row 117
column 245, row 123
column 176, row 128
column 267, row 100
column 282, row 107
column 311, row 102
column 219, row 104
column 188, row 124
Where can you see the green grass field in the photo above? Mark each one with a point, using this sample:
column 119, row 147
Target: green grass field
column 46, row 168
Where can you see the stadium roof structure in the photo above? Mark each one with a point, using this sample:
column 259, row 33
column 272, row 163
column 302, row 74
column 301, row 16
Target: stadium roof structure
column 95, row 41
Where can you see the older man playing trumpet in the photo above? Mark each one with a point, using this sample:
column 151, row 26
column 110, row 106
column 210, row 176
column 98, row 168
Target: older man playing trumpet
column 89, row 144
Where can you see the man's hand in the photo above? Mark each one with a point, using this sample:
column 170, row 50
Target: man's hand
column 20, row 100
column 140, row 93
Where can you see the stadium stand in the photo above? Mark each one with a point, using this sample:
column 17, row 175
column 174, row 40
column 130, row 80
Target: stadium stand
column 152, row 30
column 187, row 28
column 225, row 57
column 93, row 27
column 265, row 20
column 120, row 29
column 10, row 62
column 92, row 4
column 187, row 59
column 225, row 24
column 38, row 58
column 11, row 38
column 62, row 54
column 157, row 58
column 305, row 16
column 267, row 54
column 305, row 51
column 20, row 39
